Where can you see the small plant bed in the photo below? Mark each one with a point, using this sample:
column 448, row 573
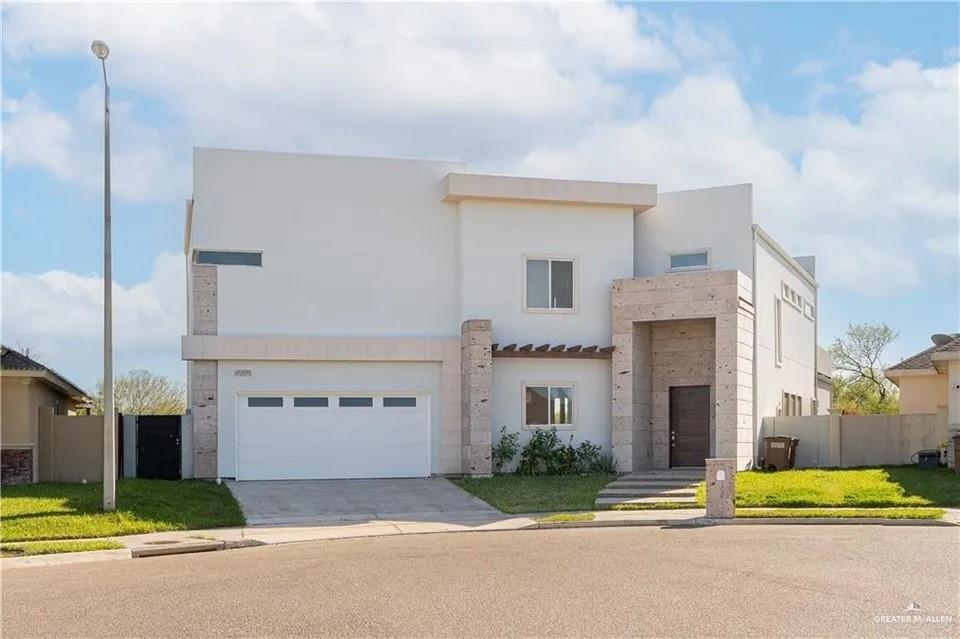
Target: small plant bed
column 73, row 511
column 565, row 517
column 537, row 493
column 843, row 513
column 51, row 547
column 888, row 487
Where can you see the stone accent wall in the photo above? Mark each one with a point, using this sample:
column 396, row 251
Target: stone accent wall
column 683, row 354
column 451, row 426
column 476, row 409
column 722, row 295
column 16, row 466
column 203, row 373
column 203, row 299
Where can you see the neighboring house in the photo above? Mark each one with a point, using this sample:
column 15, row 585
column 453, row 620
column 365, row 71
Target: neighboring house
column 824, row 400
column 926, row 379
column 27, row 386
column 361, row 317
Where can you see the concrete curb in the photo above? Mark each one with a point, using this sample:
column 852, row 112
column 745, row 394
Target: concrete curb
column 177, row 546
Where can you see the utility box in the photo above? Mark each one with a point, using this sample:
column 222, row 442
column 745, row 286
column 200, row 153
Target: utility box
column 779, row 453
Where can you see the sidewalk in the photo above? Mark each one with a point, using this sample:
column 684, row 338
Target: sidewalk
column 186, row 541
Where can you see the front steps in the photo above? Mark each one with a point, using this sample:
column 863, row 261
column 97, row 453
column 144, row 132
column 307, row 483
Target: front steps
column 651, row 487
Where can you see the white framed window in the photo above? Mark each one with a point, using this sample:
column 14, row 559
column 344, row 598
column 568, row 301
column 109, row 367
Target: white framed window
column 793, row 297
column 549, row 284
column 792, row 405
column 549, row 405
column 778, row 331
column 695, row 260
column 808, row 310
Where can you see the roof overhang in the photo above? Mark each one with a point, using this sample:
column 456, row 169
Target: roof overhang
column 57, row 382
column 470, row 186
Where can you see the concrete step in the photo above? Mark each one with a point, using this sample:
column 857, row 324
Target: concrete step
column 635, row 483
column 606, row 502
column 665, row 474
column 647, row 492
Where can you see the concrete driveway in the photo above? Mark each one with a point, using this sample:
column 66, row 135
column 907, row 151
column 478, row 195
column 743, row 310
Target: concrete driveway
column 288, row 502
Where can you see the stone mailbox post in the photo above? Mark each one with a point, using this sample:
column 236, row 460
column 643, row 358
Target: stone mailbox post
column 721, row 487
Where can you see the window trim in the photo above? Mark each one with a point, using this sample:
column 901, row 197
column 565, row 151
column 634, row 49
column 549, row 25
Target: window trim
column 778, row 331
column 683, row 269
column 550, row 258
column 575, row 414
column 197, row 251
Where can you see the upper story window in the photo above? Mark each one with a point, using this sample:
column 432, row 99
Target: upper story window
column 550, row 283
column 228, row 258
column 793, row 296
column 689, row 260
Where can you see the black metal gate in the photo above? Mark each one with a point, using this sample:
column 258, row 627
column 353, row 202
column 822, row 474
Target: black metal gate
column 158, row 446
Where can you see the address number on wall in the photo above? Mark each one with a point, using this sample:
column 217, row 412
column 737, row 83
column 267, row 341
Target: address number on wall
column 242, row 372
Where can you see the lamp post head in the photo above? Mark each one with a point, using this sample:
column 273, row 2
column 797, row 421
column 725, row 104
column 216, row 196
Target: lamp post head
column 100, row 49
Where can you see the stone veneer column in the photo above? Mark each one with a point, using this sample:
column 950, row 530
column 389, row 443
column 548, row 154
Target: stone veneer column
column 203, row 373
column 734, row 377
column 632, row 425
column 476, row 411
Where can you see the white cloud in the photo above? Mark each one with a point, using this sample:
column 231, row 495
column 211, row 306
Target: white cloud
column 61, row 312
column 859, row 193
column 809, row 67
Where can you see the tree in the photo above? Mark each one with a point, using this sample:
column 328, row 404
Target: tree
column 858, row 365
column 140, row 392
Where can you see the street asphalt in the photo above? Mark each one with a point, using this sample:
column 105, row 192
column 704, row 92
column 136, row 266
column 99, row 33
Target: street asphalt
column 758, row 581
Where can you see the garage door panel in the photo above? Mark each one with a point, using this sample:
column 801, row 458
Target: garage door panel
column 332, row 442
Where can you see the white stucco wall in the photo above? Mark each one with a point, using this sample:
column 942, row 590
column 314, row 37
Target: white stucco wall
column 719, row 219
column 797, row 375
column 591, row 399
column 422, row 378
column 351, row 246
column 495, row 237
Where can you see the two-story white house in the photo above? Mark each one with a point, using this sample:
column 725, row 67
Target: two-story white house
column 361, row 317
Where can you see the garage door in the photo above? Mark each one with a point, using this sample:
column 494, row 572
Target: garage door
column 330, row 436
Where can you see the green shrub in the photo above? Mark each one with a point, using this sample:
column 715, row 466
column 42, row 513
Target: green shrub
column 505, row 449
column 544, row 454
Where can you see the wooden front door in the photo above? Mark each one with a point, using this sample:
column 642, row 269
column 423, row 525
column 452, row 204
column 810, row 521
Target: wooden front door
column 689, row 425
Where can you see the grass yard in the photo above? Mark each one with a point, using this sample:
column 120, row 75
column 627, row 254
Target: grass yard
column 843, row 513
column 50, row 547
column 893, row 486
column 565, row 517
column 526, row 494
column 72, row 511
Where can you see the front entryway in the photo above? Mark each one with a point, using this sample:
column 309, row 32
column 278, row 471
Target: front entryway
column 689, row 425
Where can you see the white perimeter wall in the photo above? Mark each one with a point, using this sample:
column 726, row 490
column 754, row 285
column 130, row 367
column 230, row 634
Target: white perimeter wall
column 351, row 246
column 592, row 403
column 421, row 378
column 798, row 373
column 719, row 219
column 495, row 236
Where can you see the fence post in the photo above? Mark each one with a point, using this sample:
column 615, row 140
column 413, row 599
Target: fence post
column 835, row 460
column 721, row 487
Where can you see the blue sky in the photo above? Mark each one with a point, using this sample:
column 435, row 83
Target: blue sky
column 843, row 116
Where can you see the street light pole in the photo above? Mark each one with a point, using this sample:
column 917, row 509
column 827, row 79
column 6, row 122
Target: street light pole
column 101, row 51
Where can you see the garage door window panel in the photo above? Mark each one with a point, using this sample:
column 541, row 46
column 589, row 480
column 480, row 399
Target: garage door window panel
column 311, row 402
column 265, row 402
column 356, row 402
column 399, row 402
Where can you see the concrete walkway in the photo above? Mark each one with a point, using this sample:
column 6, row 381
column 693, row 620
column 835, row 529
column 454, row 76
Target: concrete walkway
column 290, row 502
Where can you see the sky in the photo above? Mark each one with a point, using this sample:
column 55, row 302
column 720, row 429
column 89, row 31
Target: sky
column 843, row 116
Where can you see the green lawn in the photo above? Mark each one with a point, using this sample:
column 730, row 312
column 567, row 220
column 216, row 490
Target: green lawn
column 843, row 513
column 893, row 486
column 526, row 494
column 72, row 511
column 50, row 547
column 565, row 517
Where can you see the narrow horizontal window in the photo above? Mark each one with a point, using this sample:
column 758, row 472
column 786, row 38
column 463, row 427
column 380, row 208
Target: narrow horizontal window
column 683, row 261
column 356, row 402
column 399, row 402
column 265, row 402
column 311, row 402
column 229, row 258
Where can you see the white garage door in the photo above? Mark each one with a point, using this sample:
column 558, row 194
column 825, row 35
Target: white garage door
column 329, row 436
